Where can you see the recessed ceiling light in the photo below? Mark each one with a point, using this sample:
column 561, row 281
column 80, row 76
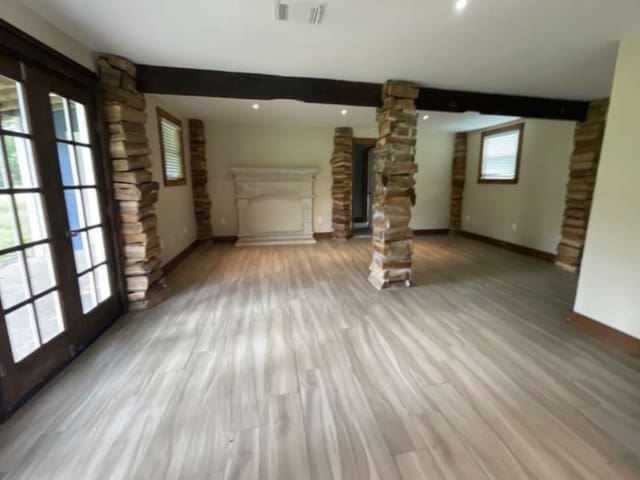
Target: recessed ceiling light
column 255, row 106
column 461, row 5
column 344, row 111
column 425, row 117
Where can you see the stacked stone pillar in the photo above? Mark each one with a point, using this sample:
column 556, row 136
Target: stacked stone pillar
column 199, row 177
column 342, row 175
column 583, row 168
column 458, row 176
column 134, row 190
column 394, row 186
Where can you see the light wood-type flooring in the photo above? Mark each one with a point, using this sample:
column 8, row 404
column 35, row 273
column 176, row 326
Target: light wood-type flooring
column 282, row 363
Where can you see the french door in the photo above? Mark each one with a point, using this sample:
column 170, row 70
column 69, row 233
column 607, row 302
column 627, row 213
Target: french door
column 56, row 264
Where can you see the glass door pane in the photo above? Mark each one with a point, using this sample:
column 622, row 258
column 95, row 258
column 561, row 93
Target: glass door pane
column 86, row 228
column 29, row 292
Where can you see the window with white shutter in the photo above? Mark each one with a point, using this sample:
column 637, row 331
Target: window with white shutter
column 170, row 130
column 500, row 155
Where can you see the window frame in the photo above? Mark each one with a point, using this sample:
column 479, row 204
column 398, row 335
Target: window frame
column 168, row 182
column 494, row 131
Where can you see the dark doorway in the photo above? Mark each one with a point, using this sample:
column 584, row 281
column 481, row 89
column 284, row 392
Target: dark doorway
column 362, row 183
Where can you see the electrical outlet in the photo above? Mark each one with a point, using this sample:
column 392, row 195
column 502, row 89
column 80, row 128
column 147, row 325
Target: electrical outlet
column 468, row 218
column 514, row 227
column 186, row 230
column 223, row 221
column 319, row 219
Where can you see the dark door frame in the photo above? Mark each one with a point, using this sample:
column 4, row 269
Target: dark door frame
column 48, row 70
column 371, row 143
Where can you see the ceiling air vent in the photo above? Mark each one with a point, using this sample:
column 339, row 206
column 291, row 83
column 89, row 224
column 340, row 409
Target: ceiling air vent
column 301, row 12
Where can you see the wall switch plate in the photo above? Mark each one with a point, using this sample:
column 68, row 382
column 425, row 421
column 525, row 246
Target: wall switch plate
column 514, row 227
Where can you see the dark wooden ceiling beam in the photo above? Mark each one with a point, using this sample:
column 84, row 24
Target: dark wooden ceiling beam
column 497, row 104
column 215, row 83
column 255, row 86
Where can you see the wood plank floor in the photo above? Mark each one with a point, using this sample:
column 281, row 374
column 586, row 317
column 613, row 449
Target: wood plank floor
column 283, row 363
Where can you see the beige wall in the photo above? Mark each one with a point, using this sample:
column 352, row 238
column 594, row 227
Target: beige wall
column 434, row 155
column 176, row 219
column 257, row 145
column 28, row 21
column 609, row 283
column 528, row 213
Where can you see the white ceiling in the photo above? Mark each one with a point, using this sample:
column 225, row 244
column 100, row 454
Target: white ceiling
column 554, row 48
column 294, row 113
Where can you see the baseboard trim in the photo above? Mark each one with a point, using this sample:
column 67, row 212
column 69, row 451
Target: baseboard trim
column 531, row 252
column 175, row 261
column 431, row 231
column 234, row 238
column 605, row 333
column 323, row 235
column 329, row 235
column 225, row 239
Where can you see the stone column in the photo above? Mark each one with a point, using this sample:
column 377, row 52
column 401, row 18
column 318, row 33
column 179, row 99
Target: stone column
column 342, row 176
column 134, row 190
column 458, row 176
column 583, row 168
column 394, row 189
column 199, row 177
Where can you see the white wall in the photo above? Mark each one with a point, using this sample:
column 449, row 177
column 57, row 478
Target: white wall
column 536, row 203
column 13, row 12
column 258, row 145
column 609, row 283
column 176, row 218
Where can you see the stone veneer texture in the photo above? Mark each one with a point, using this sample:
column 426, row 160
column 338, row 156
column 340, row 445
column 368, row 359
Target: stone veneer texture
column 342, row 176
column 199, row 177
column 134, row 190
column 458, row 174
column 394, row 186
column 583, row 168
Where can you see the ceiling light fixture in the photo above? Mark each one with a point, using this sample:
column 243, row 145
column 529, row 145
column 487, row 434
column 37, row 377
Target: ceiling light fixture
column 425, row 117
column 461, row 5
column 344, row 111
column 255, row 106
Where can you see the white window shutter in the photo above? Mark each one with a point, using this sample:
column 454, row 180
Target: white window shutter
column 172, row 149
column 500, row 155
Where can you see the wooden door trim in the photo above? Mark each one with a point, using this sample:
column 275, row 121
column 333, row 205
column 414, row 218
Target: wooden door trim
column 367, row 142
column 19, row 380
column 23, row 46
column 87, row 325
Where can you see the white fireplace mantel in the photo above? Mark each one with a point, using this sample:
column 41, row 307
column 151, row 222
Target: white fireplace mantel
column 275, row 205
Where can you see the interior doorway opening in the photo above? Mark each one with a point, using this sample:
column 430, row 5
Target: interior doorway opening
column 363, row 185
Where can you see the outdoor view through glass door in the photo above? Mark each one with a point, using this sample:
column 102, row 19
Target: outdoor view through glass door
column 56, row 264
column 81, row 199
column 28, row 288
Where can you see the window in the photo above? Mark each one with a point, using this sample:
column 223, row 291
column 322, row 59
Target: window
column 86, row 225
column 500, row 155
column 170, row 130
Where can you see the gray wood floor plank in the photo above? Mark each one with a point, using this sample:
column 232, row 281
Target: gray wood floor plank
column 283, row 363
